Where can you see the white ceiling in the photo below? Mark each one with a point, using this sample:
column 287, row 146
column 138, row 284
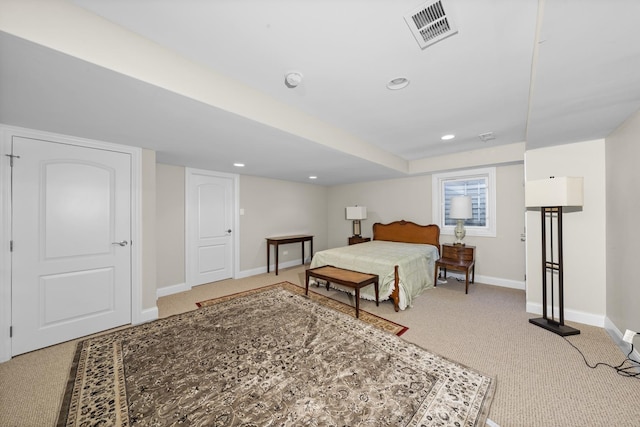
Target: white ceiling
column 544, row 72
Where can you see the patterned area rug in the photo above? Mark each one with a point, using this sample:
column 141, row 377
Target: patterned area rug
column 268, row 358
column 365, row 316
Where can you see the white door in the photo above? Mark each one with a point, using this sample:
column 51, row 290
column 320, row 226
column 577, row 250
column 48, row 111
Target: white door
column 209, row 226
column 71, row 228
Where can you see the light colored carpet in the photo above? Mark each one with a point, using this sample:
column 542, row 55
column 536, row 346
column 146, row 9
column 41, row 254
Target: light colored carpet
column 541, row 380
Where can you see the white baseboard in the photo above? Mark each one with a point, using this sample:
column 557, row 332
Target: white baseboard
column 172, row 289
column 272, row 268
column 148, row 314
column 570, row 315
column 488, row 280
column 181, row 287
column 617, row 335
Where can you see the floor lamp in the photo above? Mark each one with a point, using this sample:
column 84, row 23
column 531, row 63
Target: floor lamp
column 551, row 195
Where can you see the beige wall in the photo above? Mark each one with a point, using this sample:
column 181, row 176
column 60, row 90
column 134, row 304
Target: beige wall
column 170, row 250
column 279, row 208
column 271, row 207
column 148, row 202
column 386, row 201
column 500, row 259
column 623, row 204
column 584, row 231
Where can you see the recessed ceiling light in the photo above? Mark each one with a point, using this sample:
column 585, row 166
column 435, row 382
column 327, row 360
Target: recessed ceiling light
column 313, row 177
column 238, row 165
column 398, row 83
column 447, row 137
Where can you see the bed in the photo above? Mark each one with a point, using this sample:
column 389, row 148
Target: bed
column 402, row 254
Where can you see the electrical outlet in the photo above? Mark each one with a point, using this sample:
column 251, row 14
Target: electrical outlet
column 628, row 336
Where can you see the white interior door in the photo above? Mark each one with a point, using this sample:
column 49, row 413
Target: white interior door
column 71, row 228
column 210, row 208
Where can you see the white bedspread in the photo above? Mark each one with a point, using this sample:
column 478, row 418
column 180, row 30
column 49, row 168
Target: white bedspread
column 416, row 266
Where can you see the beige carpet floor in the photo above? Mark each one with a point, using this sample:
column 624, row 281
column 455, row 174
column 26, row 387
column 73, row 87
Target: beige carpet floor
column 541, row 379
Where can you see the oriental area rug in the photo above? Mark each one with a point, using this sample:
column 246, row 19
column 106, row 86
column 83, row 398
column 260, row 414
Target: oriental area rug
column 272, row 357
column 365, row 316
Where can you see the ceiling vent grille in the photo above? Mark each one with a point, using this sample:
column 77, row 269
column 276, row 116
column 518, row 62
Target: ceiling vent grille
column 431, row 22
column 488, row 136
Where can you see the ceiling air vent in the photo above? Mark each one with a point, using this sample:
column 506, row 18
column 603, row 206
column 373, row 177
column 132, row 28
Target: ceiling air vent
column 431, row 22
column 487, row 136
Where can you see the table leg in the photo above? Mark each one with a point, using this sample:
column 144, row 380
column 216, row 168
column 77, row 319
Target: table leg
column 357, row 302
column 466, row 281
column 268, row 252
column 306, row 292
column 377, row 292
column 276, row 250
column 302, row 243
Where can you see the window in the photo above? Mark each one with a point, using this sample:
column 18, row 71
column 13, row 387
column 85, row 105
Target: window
column 477, row 183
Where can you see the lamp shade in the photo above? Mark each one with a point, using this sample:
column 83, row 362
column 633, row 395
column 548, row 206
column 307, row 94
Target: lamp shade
column 461, row 207
column 559, row 191
column 356, row 212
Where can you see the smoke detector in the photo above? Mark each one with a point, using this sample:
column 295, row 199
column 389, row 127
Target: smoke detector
column 292, row 79
column 431, row 22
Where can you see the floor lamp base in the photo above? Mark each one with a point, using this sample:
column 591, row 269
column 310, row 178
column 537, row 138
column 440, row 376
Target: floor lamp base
column 555, row 327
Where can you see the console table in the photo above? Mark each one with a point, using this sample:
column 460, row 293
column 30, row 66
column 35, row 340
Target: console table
column 282, row 240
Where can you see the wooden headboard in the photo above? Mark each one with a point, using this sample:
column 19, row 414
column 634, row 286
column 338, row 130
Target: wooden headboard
column 408, row 232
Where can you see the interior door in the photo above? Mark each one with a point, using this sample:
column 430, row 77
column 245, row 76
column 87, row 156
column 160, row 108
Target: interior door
column 209, row 227
column 71, row 227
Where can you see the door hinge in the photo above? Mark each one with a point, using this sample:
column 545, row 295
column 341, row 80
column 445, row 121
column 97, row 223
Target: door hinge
column 10, row 245
column 10, row 331
column 11, row 157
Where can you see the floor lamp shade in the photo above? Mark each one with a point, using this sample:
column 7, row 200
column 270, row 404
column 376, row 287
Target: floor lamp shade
column 560, row 191
column 551, row 195
column 356, row 213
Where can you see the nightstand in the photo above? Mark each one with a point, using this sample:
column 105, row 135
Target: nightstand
column 357, row 239
column 457, row 257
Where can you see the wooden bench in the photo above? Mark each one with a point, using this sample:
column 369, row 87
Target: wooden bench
column 341, row 276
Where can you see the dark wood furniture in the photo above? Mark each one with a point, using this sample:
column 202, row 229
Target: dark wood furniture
column 459, row 258
column 283, row 240
column 407, row 232
column 341, row 276
column 354, row 240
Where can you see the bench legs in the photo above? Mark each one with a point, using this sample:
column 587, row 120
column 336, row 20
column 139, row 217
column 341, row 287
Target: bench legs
column 355, row 286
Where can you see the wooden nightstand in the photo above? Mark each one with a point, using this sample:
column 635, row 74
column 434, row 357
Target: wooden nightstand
column 457, row 257
column 355, row 240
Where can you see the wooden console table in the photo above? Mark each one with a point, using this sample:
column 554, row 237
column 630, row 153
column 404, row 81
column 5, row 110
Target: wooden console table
column 282, row 240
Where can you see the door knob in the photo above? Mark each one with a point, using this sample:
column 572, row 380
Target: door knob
column 229, row 231
column 123, row 243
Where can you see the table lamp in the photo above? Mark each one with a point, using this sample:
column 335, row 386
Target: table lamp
column 460, row 211
column 356, row 213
